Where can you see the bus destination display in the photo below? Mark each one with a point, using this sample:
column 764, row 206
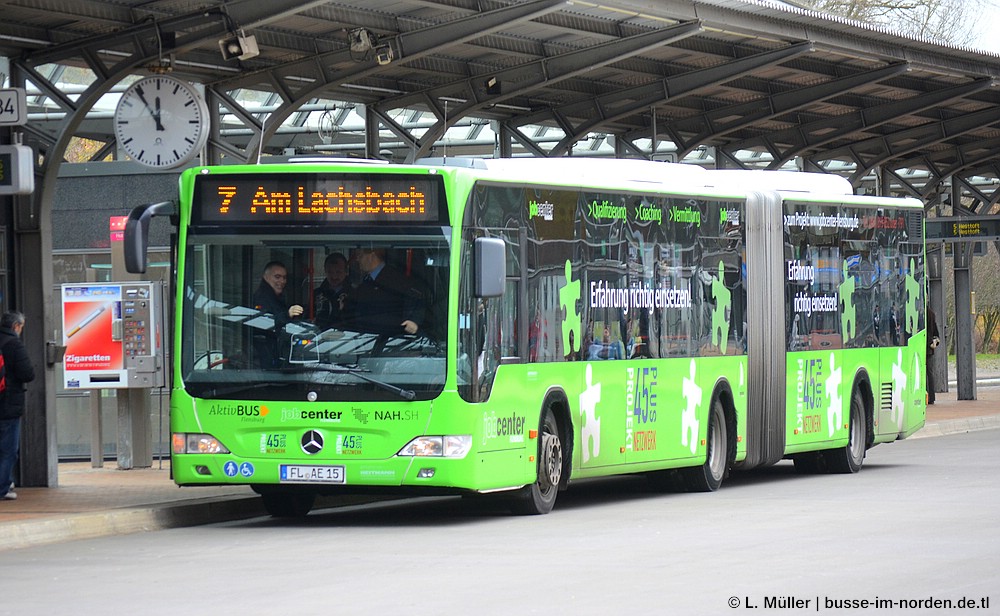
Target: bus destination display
column 298, row 198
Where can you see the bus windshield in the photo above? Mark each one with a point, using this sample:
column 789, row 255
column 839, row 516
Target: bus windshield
column 322, row 317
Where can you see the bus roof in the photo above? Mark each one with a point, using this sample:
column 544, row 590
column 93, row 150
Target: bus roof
column 596, row 172
column 575, row 169
column 781, row 181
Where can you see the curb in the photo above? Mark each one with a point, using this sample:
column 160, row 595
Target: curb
column 45, row 531
column 957, row 426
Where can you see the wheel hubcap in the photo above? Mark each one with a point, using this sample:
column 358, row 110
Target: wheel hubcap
column 857, row 438
column 551, row 467
column 716, row 457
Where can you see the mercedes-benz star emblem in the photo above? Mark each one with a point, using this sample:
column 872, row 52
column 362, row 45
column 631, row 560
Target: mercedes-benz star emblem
column 312, row 442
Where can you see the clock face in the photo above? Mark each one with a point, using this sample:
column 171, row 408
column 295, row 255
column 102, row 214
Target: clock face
column 161, row 122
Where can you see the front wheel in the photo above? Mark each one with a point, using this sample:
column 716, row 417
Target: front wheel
column 539, row 497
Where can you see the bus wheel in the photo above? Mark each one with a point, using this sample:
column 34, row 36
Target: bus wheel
column 850, row 458
column 288, row 504
column 708, row 477
column 540, row 497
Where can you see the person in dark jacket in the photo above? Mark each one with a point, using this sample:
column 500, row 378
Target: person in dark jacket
column 332, row 305
column 933, row 339
column 18, row 371
column 270, row 298
column 386, row 301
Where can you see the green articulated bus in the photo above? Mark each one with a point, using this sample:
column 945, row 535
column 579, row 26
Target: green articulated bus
column 532, row 322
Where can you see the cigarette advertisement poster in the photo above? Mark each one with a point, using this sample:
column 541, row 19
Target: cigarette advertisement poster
column 91, row 333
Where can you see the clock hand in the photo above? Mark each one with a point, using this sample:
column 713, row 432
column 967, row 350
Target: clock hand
column 156, row 116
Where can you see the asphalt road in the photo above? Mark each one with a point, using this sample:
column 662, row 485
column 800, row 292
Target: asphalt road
column 917, row 527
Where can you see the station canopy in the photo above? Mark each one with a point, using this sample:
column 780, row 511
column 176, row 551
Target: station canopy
column 727, row 83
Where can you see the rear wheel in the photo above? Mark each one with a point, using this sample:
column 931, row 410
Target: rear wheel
column 540, row 497
column 850, row 458
column 287, row 503
column 708, row 477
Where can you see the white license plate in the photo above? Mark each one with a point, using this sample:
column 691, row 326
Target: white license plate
column 297, row 473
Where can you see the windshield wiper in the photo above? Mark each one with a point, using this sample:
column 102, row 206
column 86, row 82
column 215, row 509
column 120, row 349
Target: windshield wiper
column 406, row 394
column 225, row 392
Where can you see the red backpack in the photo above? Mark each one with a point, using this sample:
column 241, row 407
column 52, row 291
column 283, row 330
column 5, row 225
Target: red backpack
column 3, row 372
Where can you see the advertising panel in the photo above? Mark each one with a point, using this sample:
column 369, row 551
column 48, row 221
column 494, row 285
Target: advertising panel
column 111, row 335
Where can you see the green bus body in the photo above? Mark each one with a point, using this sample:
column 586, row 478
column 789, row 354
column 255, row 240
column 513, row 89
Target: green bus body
column 654, row 318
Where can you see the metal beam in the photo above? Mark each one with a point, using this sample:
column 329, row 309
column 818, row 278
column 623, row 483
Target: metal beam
column 814, row 135
column 882, row 150
column 523, row 78
column 966, row 158
column 772, row 106
column 607, row 108
column 965, row 348
column 535, row 75
column 398, row 130
column 417, row 44
column 526, row 142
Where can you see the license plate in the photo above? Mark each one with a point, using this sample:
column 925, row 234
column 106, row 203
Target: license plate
column 297, row 473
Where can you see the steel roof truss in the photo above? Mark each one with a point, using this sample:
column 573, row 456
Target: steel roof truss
column 977, row 194
column 528, row 143
column 881, row 149
column 546, row 71
column 523, row 78
column 646, row 96
column 424, row 41
column 862, row 119
column 777, row 104
column 393, row 126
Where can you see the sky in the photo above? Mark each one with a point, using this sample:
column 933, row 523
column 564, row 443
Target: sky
column 988, row 27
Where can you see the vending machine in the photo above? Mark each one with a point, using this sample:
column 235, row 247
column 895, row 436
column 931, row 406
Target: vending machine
column 113, row 334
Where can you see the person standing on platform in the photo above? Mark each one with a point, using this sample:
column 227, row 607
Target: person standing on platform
column 17, row 370
column 933, row 340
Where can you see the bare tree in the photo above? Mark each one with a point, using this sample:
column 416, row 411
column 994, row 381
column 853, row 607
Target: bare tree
column 986, row 283
column 944, row 21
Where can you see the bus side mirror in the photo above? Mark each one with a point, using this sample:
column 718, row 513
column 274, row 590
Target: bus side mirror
column 490, row 263
column 137, row 234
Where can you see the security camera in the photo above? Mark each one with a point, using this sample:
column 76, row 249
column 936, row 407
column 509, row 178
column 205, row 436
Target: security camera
column 384, row 55
column 239, row 46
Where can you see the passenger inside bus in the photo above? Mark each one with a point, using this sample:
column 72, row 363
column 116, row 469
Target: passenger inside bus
column 606, row 348
column 333, row 296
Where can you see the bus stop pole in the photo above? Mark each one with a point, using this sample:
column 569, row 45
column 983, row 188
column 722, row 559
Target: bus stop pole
column 135, row 436
column 965, row 350
column 96, row 431
column 937, row 363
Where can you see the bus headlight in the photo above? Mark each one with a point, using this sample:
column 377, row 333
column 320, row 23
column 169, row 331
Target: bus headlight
column 453, row 446
column 197, row 443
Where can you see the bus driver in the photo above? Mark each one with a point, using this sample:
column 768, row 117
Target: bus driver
column 386, row 301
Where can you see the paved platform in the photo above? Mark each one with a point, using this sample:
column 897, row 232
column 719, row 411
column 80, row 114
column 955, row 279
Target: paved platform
column 94, row 502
